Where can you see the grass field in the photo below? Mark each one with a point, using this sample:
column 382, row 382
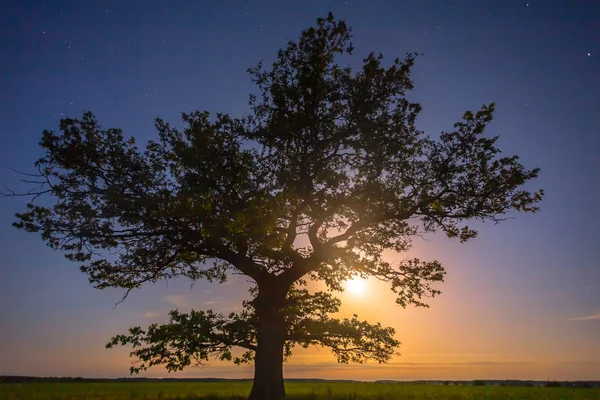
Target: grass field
column 295, row 390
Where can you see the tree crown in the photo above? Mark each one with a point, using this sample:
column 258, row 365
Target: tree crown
column 326, row 173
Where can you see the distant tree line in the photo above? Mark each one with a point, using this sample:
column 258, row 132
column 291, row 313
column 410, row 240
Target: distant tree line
column 476, row 382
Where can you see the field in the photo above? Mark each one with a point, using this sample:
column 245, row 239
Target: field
column 295, row 390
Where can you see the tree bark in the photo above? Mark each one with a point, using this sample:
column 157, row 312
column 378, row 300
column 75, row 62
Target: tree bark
column 268, row 363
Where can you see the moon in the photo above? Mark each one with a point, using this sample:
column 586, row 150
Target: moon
column 356, row 285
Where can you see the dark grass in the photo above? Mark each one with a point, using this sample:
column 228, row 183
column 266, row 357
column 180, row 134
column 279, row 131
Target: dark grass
column 296, row 391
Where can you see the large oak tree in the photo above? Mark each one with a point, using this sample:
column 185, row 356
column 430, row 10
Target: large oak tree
column 325, row 173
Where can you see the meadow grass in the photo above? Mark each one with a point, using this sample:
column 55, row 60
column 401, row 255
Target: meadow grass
column 296, row 391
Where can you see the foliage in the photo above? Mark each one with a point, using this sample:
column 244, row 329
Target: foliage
column 325, row 173
column 190, row 338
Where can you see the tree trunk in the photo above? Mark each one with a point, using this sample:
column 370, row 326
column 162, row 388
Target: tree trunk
column 268, row 363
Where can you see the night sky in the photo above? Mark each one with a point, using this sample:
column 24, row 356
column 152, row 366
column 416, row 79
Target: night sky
column 520, row 301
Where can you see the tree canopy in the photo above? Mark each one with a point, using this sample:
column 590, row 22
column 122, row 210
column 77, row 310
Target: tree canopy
column 325, row 173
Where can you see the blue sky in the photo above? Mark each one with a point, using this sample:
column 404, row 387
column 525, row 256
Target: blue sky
column 522, row 300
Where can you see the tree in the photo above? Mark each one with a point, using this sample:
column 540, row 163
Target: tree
column 326, row 172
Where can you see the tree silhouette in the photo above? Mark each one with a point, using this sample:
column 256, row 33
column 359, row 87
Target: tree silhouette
column 326, row 173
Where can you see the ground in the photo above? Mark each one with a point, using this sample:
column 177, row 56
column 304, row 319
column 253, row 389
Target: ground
column 295, row 390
